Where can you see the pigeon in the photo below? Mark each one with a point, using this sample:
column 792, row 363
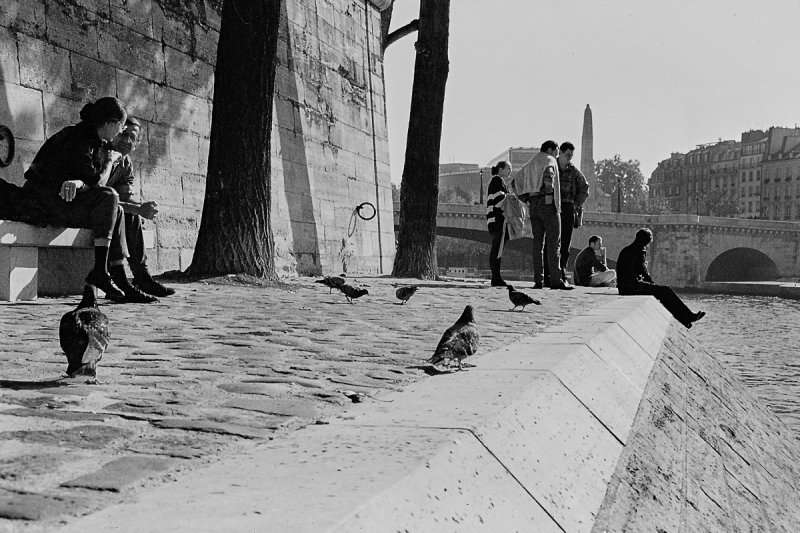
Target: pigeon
column 332, row 282
column 83, row 334
column 459, row 340
column 519, row 298
column 351, row 293
column 404, row 293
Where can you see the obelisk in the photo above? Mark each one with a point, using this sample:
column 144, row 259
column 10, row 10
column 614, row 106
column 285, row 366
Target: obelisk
column 587, row 160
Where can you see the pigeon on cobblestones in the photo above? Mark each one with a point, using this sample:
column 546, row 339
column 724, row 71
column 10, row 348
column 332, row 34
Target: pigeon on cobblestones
column 83, row 334
column 351, row 293
column 459, row 340
column 332, row 282
column 404, row 293
column 519, row 298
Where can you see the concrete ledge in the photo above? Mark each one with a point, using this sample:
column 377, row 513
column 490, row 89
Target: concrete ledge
column 46, row 261
column 528, row 440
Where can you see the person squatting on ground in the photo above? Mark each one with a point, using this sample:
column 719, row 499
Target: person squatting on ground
column 68, row 175
column 590, row 266
column 121, row 180
column 633, row 278
column 495, row 197
column 538, row 185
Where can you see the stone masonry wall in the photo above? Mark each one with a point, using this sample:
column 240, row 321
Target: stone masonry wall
column 158, row 57
column 704, row 454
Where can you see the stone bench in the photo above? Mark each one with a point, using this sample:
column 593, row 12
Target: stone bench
column 45, row 261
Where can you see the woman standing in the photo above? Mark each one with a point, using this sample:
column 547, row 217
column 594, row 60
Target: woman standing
column 68, row 175
column 496, row 196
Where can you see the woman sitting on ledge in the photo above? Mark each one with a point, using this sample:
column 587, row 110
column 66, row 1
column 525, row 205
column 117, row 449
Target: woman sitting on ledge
column 68, row 176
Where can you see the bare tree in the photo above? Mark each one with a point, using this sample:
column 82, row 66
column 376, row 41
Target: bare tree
column 419, row 188
column 235, row 230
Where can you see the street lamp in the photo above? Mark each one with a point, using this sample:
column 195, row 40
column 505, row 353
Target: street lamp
column 619, row 193
column 481, row 192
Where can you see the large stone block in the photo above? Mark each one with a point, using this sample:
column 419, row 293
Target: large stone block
column 60, row 112
column 92, row 79
column 184, row 151
column 194, row 190
column 9, row 64
column 205, row 43
column 168, row 258
column 132, row 52
column 73, row 27
column 158, row 144
column 139, row 95
column 172, row 29
column 162, row 185
column 25, row 16
column 63, row 270
column 189, row 74
column 44, row 66
column 182, row 110
column 23, row 114
column 18, row 273
column 134, row 14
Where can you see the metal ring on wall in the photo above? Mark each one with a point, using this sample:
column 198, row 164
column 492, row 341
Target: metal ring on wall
column 6, row 146
column 365, row 204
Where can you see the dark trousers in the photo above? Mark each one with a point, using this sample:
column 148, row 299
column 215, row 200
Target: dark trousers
column 567, row 219
column 134, row 233
column 663, row 294
column 494, row 261
column 97, row 209
column 546, row 227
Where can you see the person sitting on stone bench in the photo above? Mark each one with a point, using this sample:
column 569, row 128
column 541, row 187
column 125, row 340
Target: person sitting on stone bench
column 68, row 176
column 590, row 271
column 633, row 278
column 121, row 180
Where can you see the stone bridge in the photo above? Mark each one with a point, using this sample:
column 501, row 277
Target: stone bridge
column 687, row 250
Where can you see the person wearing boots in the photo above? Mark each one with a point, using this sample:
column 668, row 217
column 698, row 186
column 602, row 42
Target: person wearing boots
column 121, row 180
column 68, row 175
column 633, row 278
column 495, row 197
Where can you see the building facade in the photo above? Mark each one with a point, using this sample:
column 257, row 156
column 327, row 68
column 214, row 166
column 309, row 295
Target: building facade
column 717, row 178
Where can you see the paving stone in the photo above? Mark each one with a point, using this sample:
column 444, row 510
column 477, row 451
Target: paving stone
column 120, row 473
column 57, row 414
column 155, row 372
column 20, row 467
column 255, row 388
column 33, row 506
column 180, row 446
column 90, row 436
column 276, row 407
column 212, row 427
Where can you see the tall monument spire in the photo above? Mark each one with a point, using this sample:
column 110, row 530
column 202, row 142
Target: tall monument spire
column 587, row 160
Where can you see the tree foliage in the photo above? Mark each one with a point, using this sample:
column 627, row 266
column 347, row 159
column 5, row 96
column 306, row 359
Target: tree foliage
column 716, row 203
column 615, row 175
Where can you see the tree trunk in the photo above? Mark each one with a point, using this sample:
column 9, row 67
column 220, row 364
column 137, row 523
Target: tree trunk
column 235, row 231
column 419, row 188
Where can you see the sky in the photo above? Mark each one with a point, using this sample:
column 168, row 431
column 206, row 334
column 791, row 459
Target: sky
column 660, row 77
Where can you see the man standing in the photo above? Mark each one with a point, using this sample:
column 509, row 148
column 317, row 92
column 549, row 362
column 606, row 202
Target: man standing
column 574, row 192
column 633, row 278
column 590, row 266
column 121, row 180
column 538, row 185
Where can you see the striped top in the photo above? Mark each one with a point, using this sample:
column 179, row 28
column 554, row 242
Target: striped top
column 496, row 195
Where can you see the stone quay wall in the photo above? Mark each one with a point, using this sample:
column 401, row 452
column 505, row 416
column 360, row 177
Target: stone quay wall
column 330, row 145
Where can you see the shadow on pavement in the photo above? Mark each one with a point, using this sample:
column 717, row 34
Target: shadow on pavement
column 31, row 385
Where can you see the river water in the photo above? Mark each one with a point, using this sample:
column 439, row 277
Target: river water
column 759, row 339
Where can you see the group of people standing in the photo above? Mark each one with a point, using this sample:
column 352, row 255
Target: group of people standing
column 83, row 176
column 555, row 191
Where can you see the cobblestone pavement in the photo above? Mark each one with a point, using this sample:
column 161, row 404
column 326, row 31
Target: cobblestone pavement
column 213, row 370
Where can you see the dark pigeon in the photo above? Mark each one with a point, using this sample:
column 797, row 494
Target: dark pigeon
column 459, row 341
column 404, row 293
column 83, row 334
column 351, row 293
column 519, row 298
column 332, row 282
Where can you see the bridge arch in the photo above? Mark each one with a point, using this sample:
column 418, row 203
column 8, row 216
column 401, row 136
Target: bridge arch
column 742, row 264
